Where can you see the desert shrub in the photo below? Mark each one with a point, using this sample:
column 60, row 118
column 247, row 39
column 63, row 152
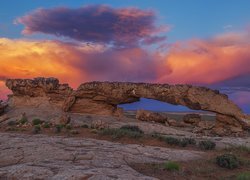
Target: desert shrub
column 243, row 176
column 119, row 133
column 229, row 161
column 172, row 140
column 171, row 166
column 84, row 126
column 68, row 126
column 157, row 136
column 132, row 128
column 36, row 129
column 12, row 123
column 46, row 125
column 23, row 120
column 36, row 121
column 207, row 145
column 58, row 128
column 183, row 143
column 189, row 141
column 186, row 141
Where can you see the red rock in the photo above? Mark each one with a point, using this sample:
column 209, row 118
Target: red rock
column 193, row 119
column 144, row 115
column 103, row 98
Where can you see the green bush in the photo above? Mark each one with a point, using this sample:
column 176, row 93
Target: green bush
column 229, row 161
column 172, row 140
column 23, row 120
column 207, row 145
column 171, row 166
column 36, row 129
column 243, row 176
column 12, row 123
column 132, row 128
column 36, row 122
column 46, row 125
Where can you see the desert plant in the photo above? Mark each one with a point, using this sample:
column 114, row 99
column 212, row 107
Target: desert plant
column 23, row 120
column 36, row 129
column 58, row 128
column 243, row 176
column 12, row 123
column 119, row 133
column 171, row 166
column 84, row 126
column 207, row 145
column 132, row 128
column 189, row 141
column 46, row 125
column 172, row 140
column 229, row 161
column 157, row 136
column 68, row 126
column 36, row 121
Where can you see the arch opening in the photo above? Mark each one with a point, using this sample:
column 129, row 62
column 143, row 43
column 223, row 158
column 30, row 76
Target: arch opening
column 173, row 111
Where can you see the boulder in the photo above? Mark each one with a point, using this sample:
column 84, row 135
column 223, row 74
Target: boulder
column 193, row 119
column 144, row 115
column 63, row 119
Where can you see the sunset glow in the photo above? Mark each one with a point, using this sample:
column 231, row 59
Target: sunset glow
column 106, row 43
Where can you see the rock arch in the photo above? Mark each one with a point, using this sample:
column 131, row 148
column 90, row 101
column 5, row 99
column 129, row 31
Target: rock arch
column 103, row 98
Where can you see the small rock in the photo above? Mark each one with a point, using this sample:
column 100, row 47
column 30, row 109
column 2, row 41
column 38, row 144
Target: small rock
column 193, row 119
column 99, row 124
column 144, row 115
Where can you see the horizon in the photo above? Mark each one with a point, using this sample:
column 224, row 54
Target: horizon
column 166, row 42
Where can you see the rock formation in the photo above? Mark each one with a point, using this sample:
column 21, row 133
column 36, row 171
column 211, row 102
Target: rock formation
column 103, row 98
column 2, row 107
column 193, row 119
column 144, row 115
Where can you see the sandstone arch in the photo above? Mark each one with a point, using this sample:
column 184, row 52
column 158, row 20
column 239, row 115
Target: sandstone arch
column 103, row 98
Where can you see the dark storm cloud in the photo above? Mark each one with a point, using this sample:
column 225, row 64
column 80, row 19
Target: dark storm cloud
column 121, row 27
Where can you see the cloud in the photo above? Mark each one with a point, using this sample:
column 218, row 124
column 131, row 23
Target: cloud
column 75, row 63
column 209, row 61
column 120, row 27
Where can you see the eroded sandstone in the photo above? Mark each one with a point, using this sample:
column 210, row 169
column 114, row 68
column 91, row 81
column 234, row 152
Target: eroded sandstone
column 103, row 97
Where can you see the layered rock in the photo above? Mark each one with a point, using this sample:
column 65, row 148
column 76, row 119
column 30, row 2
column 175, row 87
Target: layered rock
column 103, row 97
column 40, row 87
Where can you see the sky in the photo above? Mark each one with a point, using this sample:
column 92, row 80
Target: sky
column 163, row 41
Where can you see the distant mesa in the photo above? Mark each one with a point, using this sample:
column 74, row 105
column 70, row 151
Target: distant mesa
column 47, row 95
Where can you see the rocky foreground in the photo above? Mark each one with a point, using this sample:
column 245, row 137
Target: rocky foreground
column 45, row 157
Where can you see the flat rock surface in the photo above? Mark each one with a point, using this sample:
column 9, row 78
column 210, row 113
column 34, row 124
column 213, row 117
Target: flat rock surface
column 25, row 156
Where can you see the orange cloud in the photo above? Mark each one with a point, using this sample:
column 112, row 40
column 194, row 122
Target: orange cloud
column 73, row 63
column 208, row 61
column 197, row 61
column 27, row 59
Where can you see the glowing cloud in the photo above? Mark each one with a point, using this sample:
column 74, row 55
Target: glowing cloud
column 208, row 61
